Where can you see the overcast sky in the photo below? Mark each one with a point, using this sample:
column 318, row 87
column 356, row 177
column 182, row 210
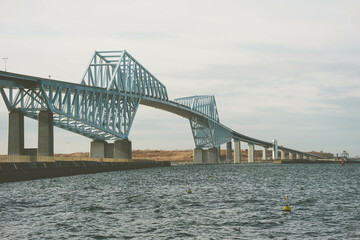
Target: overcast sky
column 288, row 70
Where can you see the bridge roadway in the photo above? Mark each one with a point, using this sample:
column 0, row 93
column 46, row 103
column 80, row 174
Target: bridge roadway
column 103, row 106
column 20, row 81
column 186, row 112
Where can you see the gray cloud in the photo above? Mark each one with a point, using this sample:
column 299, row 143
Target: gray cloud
column 278, row 69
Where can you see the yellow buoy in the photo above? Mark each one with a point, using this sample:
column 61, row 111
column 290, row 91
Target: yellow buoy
column 189, row 191
column 287, row 208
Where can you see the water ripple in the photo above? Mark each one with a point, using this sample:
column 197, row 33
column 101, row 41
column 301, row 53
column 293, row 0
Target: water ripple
column 227, row 202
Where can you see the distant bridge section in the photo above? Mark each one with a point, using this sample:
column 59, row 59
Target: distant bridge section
column 207, row 132
column 103, row 107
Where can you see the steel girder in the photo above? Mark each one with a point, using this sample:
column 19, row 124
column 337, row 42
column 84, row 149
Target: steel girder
column 119, row 71
column 204, row 104
column 103, row 107
column 207, row 132
column 104, row 114
column 91, row 112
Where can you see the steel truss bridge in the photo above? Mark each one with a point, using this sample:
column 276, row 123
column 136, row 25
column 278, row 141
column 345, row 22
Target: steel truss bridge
column 104, row 104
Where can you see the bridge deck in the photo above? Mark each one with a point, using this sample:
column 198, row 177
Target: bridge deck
column 14, row 80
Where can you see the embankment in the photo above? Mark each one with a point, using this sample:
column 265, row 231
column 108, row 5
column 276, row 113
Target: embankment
column 23, row 168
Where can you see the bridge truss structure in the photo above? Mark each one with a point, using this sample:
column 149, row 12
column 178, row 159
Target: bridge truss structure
column 103, row 106
column 207, row 132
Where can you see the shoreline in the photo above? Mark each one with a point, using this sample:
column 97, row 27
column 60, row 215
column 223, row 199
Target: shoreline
column 32, row 170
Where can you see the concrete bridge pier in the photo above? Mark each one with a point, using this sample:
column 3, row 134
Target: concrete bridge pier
column 45, row 134
column 229, row 152
column 97, row 149
column 109, row 150
column 16, row 133
column 282, row 154
column 122, row 149
column 237, row 151
column 275, row 149
column 218, row 155
column 205, row 156
column 118, row 149
column 291, row 156
column 264, row 153
column 199, row 156
column 101, row 149
column 251, row 153
column 213, row 155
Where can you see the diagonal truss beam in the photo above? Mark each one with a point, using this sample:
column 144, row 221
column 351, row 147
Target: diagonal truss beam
column 90, row 112
column 119, row 71
column 207, row 132
column 104, row 104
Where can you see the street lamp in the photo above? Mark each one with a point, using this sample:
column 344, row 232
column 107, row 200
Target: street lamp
column 5, row 62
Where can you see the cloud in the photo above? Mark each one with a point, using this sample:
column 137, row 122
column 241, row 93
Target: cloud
column 277, row 69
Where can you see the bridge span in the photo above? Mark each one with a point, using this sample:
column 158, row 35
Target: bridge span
column 103, row 106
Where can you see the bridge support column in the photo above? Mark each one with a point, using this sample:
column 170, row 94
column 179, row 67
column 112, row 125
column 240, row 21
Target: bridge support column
column 16, row 133
column 213, row 155
column 109, row 150
column 229, row 152
column 219, row 155
column 97, row 149
column 251, row 153
column 199, row 156
column 237, row 151
column 275, row 149
column 205, row 156
column 282, row 152
column 122, row 149
column 291, row 156
column 45, row 134
column 264, row 153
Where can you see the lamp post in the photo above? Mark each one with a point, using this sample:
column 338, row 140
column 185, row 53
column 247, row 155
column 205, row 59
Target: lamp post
column 5, row 62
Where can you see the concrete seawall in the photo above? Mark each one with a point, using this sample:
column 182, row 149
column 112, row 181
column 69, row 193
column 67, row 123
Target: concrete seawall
column 23, row 168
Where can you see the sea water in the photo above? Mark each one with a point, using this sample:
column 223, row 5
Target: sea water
column 239, row 201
